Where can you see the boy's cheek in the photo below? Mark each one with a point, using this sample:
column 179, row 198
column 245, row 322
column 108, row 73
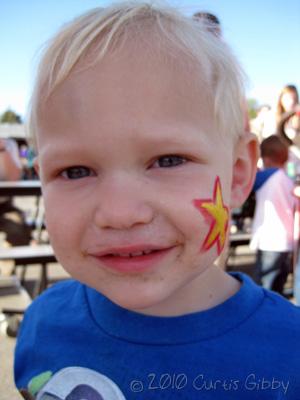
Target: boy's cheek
column 61, row 218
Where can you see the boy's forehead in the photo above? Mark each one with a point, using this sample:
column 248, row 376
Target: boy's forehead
column 140, row 88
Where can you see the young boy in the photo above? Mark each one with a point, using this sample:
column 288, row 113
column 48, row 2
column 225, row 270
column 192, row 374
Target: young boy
column 273, row 221
column 138, row 119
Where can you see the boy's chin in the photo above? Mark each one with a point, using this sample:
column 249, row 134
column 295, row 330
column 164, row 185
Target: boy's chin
column 160, row 302
column 146, row 299
column 151, row 304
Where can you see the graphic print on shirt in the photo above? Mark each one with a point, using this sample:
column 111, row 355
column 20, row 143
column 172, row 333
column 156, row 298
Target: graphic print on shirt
column 73, row 383
column 217, row 215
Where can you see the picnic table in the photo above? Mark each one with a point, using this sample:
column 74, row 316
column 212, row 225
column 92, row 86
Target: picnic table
column 20, row 188
column 22, row 256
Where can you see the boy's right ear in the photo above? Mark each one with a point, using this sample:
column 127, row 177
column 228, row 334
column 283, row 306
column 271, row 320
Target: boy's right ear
column 244, row 168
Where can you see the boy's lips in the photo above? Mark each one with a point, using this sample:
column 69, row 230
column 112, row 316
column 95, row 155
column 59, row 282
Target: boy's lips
column 131, row 258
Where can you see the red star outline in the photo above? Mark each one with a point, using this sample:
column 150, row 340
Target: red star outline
column 210, row 219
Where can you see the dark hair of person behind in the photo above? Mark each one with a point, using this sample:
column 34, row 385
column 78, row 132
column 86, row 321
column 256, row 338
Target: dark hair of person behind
column 210, row 20
column 275, row 149
column 207, row 16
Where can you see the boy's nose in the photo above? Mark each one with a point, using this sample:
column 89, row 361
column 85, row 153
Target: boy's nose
column 122, row 207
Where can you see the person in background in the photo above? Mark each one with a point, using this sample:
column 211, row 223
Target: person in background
column 263, row 125
column 27, row 155
column 212, row 22
column 16, row 230
column 288, row 126
column 288, row 102
column 272, row 230
column 279, row 120
column 296, row 289
column 10, row 164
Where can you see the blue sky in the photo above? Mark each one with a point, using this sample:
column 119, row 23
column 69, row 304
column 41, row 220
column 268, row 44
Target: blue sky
column 264, row 34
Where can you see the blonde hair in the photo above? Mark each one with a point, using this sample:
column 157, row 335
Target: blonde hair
column 102, row 30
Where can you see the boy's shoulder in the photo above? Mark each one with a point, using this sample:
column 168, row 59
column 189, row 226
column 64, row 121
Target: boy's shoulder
column 280, row 312
column 267, row 319
column 56, row 304
column 279, row 309
column 274, row 329
column 270, row 306
column 62, row 291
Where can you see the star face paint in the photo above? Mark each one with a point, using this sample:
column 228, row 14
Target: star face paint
column 217, row 214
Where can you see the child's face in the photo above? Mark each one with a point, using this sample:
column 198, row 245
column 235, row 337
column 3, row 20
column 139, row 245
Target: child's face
column 125, row 149
column 288, row 100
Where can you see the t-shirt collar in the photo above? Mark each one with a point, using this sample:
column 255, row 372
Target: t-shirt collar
column 139, row 328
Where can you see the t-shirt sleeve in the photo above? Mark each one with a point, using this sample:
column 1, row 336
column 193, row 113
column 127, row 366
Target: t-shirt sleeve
column 25, row 352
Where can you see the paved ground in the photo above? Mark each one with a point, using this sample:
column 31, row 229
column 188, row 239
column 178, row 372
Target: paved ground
column 7, row 389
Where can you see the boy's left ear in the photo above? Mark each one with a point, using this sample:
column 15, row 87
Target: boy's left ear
column 244, row 168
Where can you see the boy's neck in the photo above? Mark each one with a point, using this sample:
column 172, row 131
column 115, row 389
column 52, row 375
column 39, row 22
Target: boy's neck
column 272, row 164
column 211, row 288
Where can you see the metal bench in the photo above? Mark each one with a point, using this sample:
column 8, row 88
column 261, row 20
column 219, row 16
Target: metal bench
column 14, row 299
column 22, row 256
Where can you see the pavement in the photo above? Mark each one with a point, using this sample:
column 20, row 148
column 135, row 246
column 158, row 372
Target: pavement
column 7, row 387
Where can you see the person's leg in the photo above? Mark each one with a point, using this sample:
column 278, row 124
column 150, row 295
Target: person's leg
column 258, row 267
column 297, row 282
column 267, row 267
column 284, row 266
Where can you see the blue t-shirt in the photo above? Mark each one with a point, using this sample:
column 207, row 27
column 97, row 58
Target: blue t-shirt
column 75, row 344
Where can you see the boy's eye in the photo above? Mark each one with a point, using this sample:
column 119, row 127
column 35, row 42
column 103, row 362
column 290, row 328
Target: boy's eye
column 169, row 161
column 76, row 172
